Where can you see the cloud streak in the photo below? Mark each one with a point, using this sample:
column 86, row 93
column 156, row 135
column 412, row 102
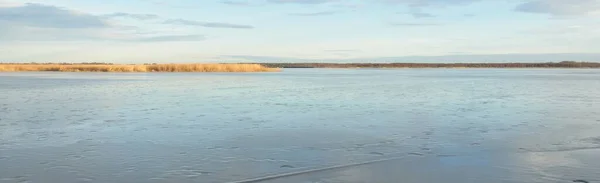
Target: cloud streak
column 560, row 7
column 171, row 38
column 207, row 24
column 39, row 22
column 322, row 13
column 421, row 15
column 9, row 4
column 423, row 3
column 236, row 3
column 416, row 13
column 414, row 24
column 343, row 50
column 39, row 15
column 132, row 16
column 301, row 1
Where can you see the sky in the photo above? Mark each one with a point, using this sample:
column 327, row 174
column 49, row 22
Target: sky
column 144, row 31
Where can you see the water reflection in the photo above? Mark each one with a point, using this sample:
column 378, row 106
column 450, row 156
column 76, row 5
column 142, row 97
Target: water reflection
column 431, row 125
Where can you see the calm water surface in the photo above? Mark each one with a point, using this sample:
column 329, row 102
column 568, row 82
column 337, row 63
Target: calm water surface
column 302, row 125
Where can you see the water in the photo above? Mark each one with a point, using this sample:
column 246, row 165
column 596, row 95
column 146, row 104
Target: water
column 302, row 125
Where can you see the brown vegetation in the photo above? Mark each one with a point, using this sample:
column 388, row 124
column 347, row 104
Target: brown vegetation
column 102, row 67
column 265, row 67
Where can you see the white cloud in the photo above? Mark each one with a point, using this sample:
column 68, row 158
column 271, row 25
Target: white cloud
column 263, row 28
column 6, row 3
column 38, row 15
column 38, row 22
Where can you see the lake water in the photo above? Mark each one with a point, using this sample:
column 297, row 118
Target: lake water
column 302, row 125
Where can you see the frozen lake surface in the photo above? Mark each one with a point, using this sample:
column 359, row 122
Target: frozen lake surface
column 302, row 125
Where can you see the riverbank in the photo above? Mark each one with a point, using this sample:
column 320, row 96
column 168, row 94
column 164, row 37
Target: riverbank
column 265, row 67
column 102, row 67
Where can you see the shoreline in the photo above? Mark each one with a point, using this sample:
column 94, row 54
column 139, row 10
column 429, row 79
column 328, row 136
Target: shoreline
column 275, row 67
column 564, row 64
column 100, row 67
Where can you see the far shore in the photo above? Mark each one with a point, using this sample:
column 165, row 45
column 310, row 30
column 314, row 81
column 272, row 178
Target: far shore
column 107, row 67
column 564, row 64
column 266, row 67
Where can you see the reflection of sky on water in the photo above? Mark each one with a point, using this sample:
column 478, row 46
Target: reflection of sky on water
column 476, row 125
column 518, row 167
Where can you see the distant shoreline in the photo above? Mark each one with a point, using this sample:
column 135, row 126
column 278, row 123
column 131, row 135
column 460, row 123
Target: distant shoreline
column 267, row 67
column 108, row 67
column 564, row 64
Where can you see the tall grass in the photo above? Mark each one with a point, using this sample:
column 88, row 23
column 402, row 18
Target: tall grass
column 136, row 68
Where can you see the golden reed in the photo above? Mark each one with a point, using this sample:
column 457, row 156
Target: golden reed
column 136, row 68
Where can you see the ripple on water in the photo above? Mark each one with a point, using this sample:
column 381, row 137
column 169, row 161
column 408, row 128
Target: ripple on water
column 594, row 140
column 297, row 120
column 377, row 153
column 287, row 166
column 85, row 179
column 185, row 172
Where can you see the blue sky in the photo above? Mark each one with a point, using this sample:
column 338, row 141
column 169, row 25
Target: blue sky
column 133, row 31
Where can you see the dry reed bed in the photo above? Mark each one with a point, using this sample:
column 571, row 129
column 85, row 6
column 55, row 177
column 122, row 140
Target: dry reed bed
column 137, row 68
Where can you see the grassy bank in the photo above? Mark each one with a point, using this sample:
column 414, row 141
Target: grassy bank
column 136, row 68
